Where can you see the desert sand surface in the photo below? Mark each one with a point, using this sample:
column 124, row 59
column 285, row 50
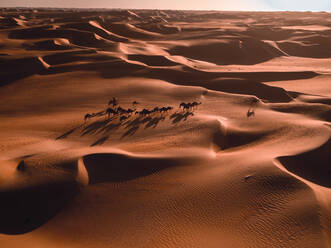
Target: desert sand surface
column 247, row 166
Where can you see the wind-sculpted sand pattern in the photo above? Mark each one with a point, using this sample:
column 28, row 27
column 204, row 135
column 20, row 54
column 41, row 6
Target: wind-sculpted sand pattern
column 155, row 128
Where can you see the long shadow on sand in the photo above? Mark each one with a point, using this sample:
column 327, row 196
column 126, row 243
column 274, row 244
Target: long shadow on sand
column 66, row 134
column 180, row 116
column 100, row 141
column 130, row 125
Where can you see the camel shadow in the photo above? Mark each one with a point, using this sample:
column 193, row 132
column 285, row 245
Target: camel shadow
column 134, row 125
column 94, row 127
column 131, row 124
column 66, row 134
column 131, row 131
column 112, row 126
column 101, row 141
column 180, row 116
column 136, row 122
column 155, row 122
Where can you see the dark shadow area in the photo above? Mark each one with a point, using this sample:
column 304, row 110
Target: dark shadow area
column 93, row 127
column 152, row 60
column 112, row 126
column 13, row 69
column 232, row 138
column 243, row 51
column 322, row 100
column 248, row 87
column 181, row 116
column 313, row 165
column 154, row 122
column 45, row 45
column 321, row 111
column 119, row 168
column 23, row 210
column 131, row 131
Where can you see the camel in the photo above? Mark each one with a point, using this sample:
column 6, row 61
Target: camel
column 144, row 112
column 121, row 110
column 194, row 104
column 21, row 166
column 163, row 109
column 188, row 106
column 135, row 103
column 129, row 111
column 88, row 116
column 250, row 112
column 110, row 111
column 183, row 104
column 113, row 102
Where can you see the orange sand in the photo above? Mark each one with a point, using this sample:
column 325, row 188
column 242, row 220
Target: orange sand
column 213, row 176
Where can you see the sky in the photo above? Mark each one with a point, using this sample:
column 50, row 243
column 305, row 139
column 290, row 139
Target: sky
column 292, row 5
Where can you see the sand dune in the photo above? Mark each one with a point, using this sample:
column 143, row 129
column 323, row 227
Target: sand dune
column 222, row 138
column 130, row 31
column 304, row 165
column 52, row 44
column 319, row 111
column 243, row 51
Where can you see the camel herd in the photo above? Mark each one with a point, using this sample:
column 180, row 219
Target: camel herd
column 114, row 109
column 189, row 106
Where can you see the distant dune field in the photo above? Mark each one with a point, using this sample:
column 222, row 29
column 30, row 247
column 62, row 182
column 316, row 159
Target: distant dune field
column 148, row 128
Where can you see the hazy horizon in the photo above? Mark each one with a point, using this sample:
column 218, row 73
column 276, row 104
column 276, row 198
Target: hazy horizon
column 235, row 5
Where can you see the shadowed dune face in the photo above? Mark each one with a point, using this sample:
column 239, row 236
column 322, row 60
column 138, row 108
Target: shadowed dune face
column 227, row 52
column 30, row 197
column 120, row 168
column 149, row 128
column 318, row 111
column 312, row 165
column 24, row 210
column 232, row 138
